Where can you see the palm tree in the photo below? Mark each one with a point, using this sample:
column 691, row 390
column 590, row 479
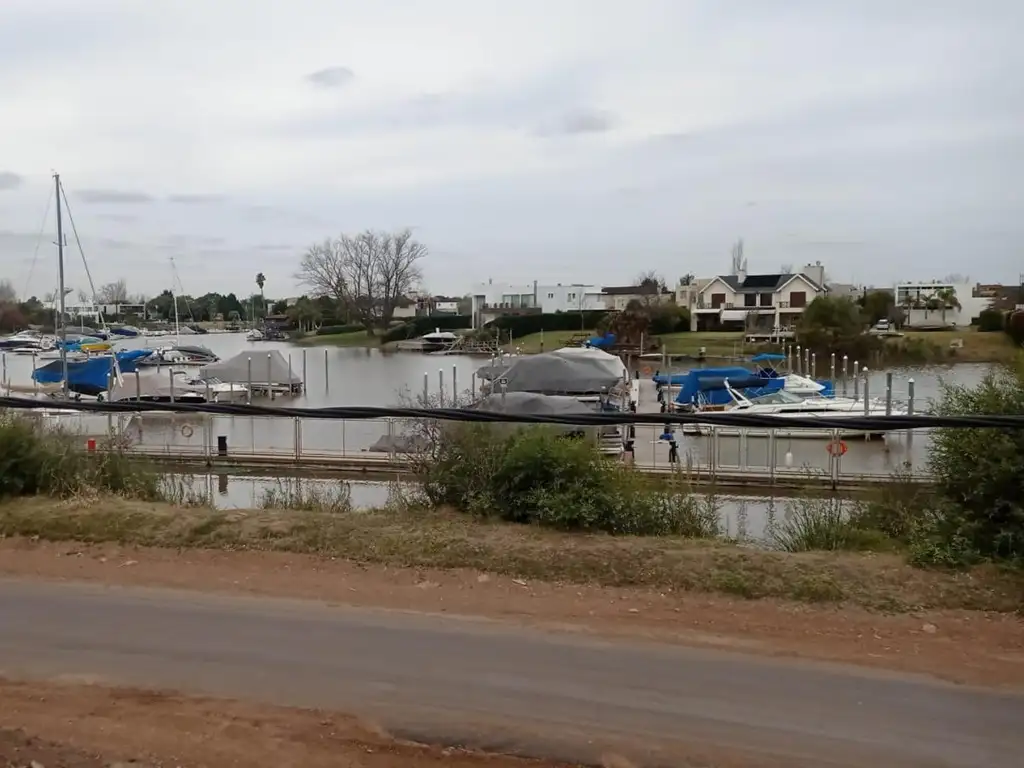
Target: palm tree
column 260, row 280
column 947, row 300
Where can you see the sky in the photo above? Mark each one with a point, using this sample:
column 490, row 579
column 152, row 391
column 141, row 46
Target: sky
column 561, row 141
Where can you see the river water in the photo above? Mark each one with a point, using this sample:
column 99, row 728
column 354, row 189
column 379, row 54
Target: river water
column 744, row 518
column 337, row 376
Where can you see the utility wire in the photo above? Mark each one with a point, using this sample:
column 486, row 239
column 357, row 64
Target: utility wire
column 862, row 423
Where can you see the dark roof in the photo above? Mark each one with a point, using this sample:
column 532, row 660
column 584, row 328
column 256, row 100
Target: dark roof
column 760, row 283
column 632, row 290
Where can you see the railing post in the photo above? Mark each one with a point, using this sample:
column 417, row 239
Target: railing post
column 856, row 380
column 297, row 438
column 772, row 455
column 910, row 412
column 846, row 372
column 888, row 393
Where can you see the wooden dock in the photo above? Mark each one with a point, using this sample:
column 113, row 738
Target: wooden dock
column 741, row 480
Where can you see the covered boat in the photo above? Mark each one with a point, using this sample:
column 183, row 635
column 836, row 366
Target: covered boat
column 261, row 372
column 568, row 371
column 90, row 376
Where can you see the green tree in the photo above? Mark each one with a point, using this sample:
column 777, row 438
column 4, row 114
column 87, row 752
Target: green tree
column 979, row 473
column 834, row 324
column 946, row 299
column 877, row 305
column 260, row 281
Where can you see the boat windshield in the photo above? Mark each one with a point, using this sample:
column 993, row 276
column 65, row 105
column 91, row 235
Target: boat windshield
column 779, row 397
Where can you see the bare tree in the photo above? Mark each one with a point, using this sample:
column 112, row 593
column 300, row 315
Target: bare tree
column 113, row 293
column 7, row 293
column 786, row 269
column 368, row 273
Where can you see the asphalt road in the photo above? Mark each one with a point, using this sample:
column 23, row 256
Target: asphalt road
column 485, row 683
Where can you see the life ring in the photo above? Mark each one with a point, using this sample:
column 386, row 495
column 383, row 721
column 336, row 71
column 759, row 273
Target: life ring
column 647, row 370
column 187, row 431
column 836, row 448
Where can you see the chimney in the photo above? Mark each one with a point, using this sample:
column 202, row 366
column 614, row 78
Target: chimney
column 815, row 272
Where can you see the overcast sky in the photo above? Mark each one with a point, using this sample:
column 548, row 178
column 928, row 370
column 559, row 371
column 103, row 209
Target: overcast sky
column 550, row 140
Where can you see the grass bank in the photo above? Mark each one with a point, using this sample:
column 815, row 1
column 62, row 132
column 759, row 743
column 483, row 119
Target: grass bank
column 441, row 539
column 355, row 339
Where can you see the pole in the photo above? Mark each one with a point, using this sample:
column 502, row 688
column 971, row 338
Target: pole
column 270, row 384
column 455, row 388
column 910, row 412
column 426, row 389
column 888, row 393
column 62, row 332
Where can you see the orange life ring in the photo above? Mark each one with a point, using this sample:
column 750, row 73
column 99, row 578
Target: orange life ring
column 836, row 448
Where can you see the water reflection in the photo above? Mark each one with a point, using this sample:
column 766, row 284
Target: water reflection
column 743, row 518
column 348, row 376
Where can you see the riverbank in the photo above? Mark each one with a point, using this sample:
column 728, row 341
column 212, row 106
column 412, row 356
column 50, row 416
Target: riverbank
column 443, row 540
column 915, row 347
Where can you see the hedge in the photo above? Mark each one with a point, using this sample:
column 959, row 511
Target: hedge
column 420, row 326
column 1015, row 327
column 331, row 330
column 514, row 326
column 990, row 320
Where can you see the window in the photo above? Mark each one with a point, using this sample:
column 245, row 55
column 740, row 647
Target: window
column 766, row 300
column 750, row 300
column 551, row 295
column 717, row 300
column 572, row 297
column 798, row 299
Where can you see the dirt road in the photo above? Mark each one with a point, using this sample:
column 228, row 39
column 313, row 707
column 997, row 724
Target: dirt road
column 970, row 647
column 477, row 682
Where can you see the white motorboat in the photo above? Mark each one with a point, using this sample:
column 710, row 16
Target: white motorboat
column 790, row 405
column 255, row 335
column 219, row 391
column 179, row 355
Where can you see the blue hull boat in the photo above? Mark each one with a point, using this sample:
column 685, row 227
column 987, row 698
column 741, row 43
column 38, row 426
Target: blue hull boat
column 89, row 377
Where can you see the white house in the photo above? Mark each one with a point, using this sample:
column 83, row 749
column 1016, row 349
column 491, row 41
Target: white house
column 931, row 304
column 617, row 298
column 491, row 300
column 752, row 302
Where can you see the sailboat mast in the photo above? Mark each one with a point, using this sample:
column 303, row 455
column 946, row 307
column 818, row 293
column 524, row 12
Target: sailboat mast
column 61, row 329
column 174, row 295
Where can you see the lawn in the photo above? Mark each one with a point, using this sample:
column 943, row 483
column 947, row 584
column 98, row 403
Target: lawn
column 544, row 341
column 356, row 339
column 978, row 347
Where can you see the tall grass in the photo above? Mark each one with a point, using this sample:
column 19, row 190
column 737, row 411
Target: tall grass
column 316, row 496
column 37, row 459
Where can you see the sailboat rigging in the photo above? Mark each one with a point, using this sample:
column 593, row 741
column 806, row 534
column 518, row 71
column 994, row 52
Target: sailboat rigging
column 91, row 376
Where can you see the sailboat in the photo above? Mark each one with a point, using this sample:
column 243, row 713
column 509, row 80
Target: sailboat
column 178, row 354
column 90, row 376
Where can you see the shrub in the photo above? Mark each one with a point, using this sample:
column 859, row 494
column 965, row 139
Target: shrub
column 979, row 513
column 991, row 320
column 38, row 460
column 1015, row 327
column 541, row 476
column 515, row 326
column 331, row 330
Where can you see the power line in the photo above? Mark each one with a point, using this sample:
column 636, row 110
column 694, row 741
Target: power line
column 355, row 413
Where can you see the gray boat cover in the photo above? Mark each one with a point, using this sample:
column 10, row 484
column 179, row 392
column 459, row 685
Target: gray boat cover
column 568, row 371
column 236, row 370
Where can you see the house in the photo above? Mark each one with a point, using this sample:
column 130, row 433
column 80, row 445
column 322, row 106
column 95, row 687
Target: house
column 405, row 308
column 939, row 304
column 617, row 298
column 752, row 302
column 491, row 300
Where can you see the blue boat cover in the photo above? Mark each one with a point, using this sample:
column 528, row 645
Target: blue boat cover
column 89, row 377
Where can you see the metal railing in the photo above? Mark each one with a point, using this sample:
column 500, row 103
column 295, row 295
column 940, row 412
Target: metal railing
column 772, row 455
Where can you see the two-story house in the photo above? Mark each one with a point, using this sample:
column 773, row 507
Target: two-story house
column 743, row 302
column 617, row 298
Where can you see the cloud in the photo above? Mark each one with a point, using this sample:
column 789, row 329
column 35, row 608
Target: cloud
column 331, row 77
column 544, row 143
column 195, row 199
column 113, row 196
column 10, row 180
column 579, row 121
